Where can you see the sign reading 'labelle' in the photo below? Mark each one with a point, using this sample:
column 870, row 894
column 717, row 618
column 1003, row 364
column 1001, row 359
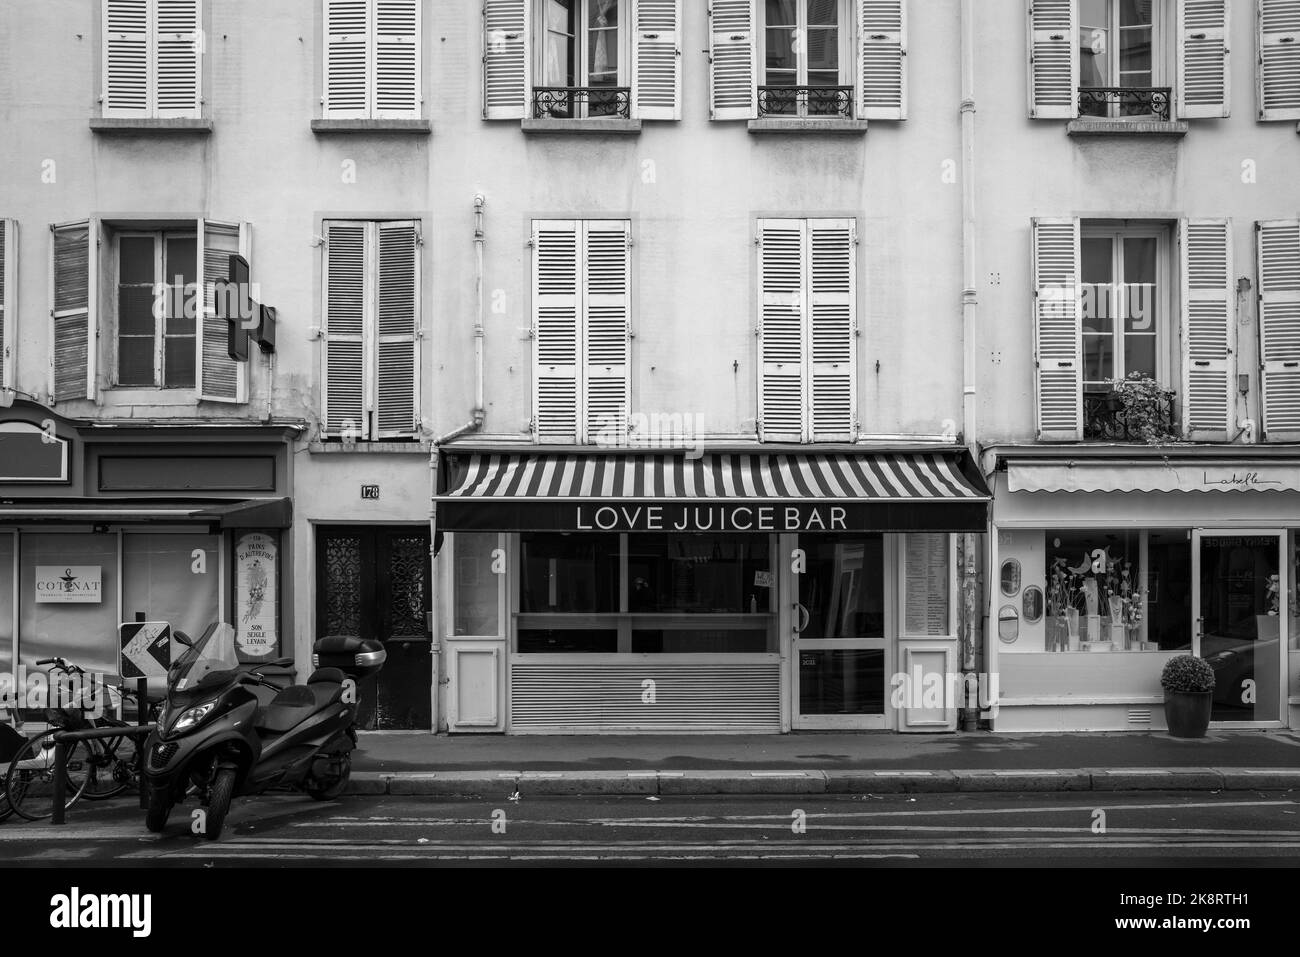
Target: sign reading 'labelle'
column 69, row 584
column 711, row 518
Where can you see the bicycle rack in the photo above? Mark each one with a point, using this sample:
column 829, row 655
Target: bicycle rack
column 61, row 740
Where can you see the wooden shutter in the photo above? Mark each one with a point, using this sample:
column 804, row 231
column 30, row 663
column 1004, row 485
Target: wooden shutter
column 125, row 53
column 397, row 59
column 1058, row 334
column 397, row 325
column 733, row 59
column 1279, row 60
column 1202, row 58
column 657, row 59
column 348, row 40
column 782, row 271
column 8, row 298
column 1208, row 306
column 343, row 403
column 556, row 248
column 219, row 378
column 507, row 59
column 1053, row 32
column 882, row 57
column 74, row 282
column 178, row 50
column 1278, row 248
column 606, row 308
column 832, row 329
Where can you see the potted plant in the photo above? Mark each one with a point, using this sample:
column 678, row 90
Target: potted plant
column 1145, row 408
column 1189, row 691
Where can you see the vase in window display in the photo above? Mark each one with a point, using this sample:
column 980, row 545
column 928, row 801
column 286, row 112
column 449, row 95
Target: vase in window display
column 1117, row 631
column 1072, row 627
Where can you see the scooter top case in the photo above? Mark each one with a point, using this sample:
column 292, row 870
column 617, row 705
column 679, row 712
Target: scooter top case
column 356, row 657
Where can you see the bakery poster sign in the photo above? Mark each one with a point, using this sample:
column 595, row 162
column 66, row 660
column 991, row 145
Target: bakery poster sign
column 69, row 584
column 256, row 601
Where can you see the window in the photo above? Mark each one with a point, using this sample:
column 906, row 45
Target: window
column 807, row 330
column 8, row 294
column 372, row 59
column 1278, row 254
column 155, row 337
column 1116, row 49
column 583, row 69
column 371, row 326
column 581, row 327
column 152, row 52
column 1278, row 50
column 804, row 59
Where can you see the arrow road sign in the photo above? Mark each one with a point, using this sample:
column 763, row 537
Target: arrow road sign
column 146, row 649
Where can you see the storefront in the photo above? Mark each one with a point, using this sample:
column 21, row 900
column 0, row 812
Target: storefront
column 1107, row 562
column 746, row 592
column 104, row 524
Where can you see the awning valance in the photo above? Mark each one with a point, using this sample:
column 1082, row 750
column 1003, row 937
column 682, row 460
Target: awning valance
column 251, row 513
column 747, row 492
column 1151, row 477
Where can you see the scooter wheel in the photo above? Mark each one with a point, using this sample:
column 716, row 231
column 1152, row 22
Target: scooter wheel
column 160, row 808
column 223, row 789
column 334, row 788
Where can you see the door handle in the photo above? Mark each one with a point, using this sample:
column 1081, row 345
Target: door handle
column 800, row 610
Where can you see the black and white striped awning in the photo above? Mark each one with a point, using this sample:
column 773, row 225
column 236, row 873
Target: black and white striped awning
column 761, row 492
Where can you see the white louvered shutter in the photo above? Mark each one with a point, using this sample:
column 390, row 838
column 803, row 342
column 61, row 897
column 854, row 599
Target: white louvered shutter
column 882, row 58
column 1202, row 58
column 219, row 377
column 606, row 308
column 74, row 278
column 1278, row 248
column 556, row 293
column 8, row 296
column 1208, row 307
column 832, row 329
column 178, row 51
column 343, row 403
column 506, row 59
column 1053, row 59
column 733, row 59
column 397, row 319
column 396, row 48
column 657, row 60
column 1058, row 350
column 782, row 288
column 1279, row 60
column 126, row 81
column 348, row 40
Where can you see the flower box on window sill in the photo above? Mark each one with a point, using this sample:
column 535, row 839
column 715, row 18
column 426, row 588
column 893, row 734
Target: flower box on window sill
column 603, row 124
column 412, row 127
column 1097, row 126
column 802, row 124
column 130, row 125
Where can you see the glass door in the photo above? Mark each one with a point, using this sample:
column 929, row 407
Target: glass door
column 840, row 652
column 1241, row 615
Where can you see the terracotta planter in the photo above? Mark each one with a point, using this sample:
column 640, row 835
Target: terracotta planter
column 1188, row 712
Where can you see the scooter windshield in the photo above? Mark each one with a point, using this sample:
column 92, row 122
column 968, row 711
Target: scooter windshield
column 209, row 662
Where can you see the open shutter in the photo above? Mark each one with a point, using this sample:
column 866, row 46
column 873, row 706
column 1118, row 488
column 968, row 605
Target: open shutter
column 1202, row 58
column 882, row 52
column 397, row 318
column 782, row 247
column 832, row 251
column 1279, row 60
column 1208, row 306
column 1278, row 248
column 657, row 60
column 347, row 59
column 733, row 60
column 74, row 278
column 220, row 378
column 1053, row 59
column 8, row 298
column 556, row 250
column 125, row 58
column 397, row 59
column 178, row 52
column 506, row 59
column 606, row 307
column 1058, row 334
column 343, row 403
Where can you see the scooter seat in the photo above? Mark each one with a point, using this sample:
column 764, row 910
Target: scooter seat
column 296, row 704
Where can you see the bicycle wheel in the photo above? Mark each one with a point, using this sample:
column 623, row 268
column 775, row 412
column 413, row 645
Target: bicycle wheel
column 112, row 769
column 29, row 784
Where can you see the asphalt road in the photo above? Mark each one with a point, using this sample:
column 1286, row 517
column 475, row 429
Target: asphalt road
column 1238, row 829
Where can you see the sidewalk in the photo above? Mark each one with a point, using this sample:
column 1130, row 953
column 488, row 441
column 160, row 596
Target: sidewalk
column 822, row 762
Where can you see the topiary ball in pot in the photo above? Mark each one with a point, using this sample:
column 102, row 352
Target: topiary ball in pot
column 1189, row 695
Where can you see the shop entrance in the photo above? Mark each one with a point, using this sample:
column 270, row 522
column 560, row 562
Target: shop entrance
column 1241, row 619
column 841, row 619
column 374, row 582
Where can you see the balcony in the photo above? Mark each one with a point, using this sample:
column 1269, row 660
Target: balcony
column 834, row 102
column 1108, row 418
column 1111, row 102
column 582, row 102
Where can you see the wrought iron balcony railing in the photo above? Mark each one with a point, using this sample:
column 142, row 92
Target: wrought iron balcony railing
column 581, row 102
column 1105, row 419
column 1124, row 101
column 826, row 101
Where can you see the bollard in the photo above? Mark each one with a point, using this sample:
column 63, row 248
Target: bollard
column 60, row 781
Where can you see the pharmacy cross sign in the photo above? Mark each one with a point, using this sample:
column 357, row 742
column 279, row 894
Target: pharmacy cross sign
column 146, row 649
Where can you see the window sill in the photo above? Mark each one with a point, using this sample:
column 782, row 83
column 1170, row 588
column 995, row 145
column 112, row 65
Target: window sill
column 807, row 125
column 601, row 125
column 345, row 448
column 413, row 127
column 1099, row 127
column 126, row 125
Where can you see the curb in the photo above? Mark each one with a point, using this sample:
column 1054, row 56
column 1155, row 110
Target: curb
column 797, row 781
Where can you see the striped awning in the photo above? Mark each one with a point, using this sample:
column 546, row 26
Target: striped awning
column 876, row 491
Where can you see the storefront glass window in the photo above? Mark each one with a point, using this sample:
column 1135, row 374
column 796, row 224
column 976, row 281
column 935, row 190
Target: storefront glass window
column 698, row 574
column 171, row 578
column 569, row 573
column 476, row 571
column 67, row 600
column 6, row 605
